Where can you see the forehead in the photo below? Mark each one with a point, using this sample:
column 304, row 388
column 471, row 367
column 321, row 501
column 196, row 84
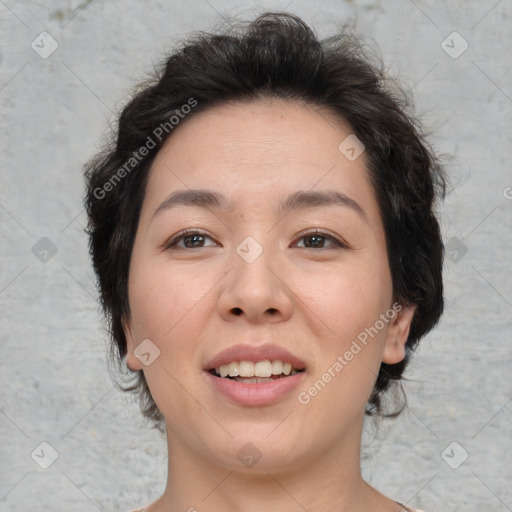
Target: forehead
column 265, row 147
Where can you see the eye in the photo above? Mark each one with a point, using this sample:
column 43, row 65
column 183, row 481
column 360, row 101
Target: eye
column 317, row 239
column 191, row 239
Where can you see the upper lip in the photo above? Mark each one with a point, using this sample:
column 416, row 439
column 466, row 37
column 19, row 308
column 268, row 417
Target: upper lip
column 254, row 353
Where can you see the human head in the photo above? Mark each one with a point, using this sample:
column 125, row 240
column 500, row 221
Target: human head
column 275, row 57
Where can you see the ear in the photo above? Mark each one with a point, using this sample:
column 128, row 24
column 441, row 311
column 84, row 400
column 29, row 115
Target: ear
column 132, row 362
column 398, row 332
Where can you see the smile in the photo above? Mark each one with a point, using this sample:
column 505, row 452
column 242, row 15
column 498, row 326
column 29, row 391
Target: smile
column 255, row 375
column 251, row 372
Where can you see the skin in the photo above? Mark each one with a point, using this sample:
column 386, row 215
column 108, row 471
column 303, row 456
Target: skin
column 194, row 301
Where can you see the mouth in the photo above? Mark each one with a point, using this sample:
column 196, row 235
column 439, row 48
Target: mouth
column 255, row 375
column 250, row 372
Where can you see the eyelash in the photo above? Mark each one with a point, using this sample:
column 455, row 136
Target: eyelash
column 337, row 244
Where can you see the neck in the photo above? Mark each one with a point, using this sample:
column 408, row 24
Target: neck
column 196, row 482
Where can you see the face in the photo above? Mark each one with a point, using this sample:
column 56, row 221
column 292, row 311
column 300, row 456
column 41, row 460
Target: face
column 290, row 265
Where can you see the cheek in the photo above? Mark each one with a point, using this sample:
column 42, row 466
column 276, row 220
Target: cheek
column 358, row 298
column 343, row 377
column 169, row 308
column 348, row 299
column 165, row 303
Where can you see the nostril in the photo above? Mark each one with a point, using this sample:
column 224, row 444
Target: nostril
column 237, row 311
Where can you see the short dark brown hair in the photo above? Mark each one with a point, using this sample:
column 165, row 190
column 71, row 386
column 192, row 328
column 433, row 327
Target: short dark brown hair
column 275, row 56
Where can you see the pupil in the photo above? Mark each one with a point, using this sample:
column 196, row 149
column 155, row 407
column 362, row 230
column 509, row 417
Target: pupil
column 316, row 238
column 196, row 239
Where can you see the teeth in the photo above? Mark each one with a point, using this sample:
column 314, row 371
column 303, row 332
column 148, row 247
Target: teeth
column 261, row 369
column 277, row 367
column 246, row 369
column 234, row 369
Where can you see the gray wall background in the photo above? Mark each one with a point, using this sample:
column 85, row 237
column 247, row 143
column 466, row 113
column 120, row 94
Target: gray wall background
column 55, row 382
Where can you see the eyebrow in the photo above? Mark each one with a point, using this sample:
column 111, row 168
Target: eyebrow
column 296, row 201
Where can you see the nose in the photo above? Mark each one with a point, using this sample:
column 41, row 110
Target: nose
column 255, row 288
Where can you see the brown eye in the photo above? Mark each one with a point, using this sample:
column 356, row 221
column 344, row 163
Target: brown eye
column 318, row 240
column 190, row 239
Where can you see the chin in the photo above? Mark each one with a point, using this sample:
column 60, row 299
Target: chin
column 257, row 451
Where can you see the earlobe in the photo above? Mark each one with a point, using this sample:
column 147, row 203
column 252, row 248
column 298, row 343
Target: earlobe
column 132, row 362
column 398, row 332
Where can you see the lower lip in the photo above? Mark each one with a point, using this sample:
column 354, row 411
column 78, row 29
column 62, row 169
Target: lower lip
column 256, row 394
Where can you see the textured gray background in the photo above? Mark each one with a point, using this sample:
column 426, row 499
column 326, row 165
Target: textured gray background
column 55, row 384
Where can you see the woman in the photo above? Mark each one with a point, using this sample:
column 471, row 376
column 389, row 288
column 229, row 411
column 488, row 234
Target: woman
column 263, row 234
